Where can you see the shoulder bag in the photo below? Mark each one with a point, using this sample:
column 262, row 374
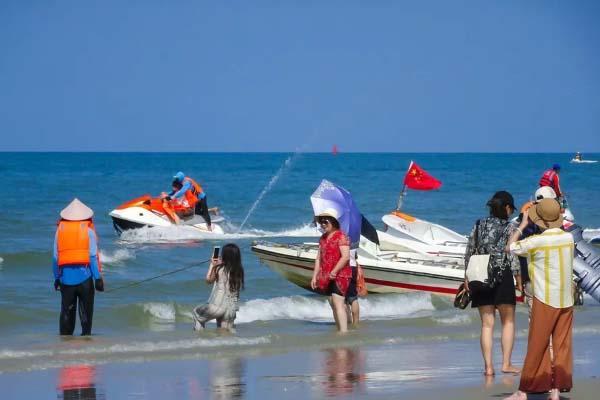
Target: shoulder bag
column 477, row 269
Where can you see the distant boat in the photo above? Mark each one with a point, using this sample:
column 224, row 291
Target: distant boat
column 334, row 150
column 575, row 161
column 578, row 159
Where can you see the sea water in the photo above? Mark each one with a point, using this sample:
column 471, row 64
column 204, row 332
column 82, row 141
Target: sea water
column 153, row 320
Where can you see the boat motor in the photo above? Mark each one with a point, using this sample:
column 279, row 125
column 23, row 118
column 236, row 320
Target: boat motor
column 586, row 265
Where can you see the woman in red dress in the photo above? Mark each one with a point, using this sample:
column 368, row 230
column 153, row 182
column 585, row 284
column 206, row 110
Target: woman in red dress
column 332, row 273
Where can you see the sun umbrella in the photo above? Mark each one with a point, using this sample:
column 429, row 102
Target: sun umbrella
column 331, row 199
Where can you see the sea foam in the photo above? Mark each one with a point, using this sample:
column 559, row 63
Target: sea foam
column 303, row 308
column 117, row 256
column 317, row 309
column 164, row 345
column 188, row 233
column 137, row 347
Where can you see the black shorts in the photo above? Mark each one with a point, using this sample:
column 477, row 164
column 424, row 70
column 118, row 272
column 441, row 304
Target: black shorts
column 504, row 293
column 352, row 293
column 332, row 289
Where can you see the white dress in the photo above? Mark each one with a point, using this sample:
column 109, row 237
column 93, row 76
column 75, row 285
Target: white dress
column 222, row 303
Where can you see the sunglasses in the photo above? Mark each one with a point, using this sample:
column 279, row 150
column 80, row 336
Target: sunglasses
column 324, row 221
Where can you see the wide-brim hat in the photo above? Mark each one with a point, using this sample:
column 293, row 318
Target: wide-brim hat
column 546, row 214
column 329, row 212
column 76, row 211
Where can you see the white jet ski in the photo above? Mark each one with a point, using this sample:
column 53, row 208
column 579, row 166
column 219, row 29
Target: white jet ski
column 153, row 211
column 578, row 159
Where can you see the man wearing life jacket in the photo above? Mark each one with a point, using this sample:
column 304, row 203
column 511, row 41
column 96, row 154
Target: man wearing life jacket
column 76, row 266
column 551, row 178
column 194, row 195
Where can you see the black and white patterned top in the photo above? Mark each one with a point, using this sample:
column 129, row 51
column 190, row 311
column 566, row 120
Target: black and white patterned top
column 492, row 236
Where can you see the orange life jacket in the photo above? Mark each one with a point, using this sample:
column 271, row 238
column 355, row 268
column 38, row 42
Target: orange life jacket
column 192, row 195
column 73, row 243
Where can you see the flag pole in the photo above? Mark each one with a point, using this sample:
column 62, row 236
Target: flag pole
column 401, row 198
column 403, row 191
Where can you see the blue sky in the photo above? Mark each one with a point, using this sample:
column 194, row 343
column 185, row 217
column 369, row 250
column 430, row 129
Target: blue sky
column 279, row 76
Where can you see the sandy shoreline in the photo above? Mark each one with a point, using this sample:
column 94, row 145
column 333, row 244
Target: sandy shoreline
column 450, row 369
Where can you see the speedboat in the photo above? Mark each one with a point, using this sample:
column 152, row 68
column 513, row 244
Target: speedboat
column 155, row 212
column 411, row 255
column 386, row 271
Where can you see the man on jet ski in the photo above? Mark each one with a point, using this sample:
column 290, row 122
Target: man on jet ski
column 193, row 193
column 550, row 178
column 176, row 208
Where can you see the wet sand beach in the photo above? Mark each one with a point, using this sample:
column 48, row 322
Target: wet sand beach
column 448, row 369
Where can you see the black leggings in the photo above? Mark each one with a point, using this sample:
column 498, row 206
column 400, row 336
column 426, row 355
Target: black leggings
column 71, row 295
column 202, row 209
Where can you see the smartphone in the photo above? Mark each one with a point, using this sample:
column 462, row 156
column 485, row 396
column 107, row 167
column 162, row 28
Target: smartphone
column 216, row 251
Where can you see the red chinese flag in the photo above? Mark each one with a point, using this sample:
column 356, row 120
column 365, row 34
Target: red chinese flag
column 417, row 178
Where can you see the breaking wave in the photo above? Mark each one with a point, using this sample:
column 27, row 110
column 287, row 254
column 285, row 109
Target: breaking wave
column 164, row 311
column 117, row 256
column 302, row 308
column 188, row 233
column 317, row 309
column 456, row 319
column 139, row 347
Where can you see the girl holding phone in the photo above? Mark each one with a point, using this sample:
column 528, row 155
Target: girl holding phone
column 226, row 274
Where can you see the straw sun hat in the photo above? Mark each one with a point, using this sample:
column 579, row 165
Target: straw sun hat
column 546, row 214
column 76, row 211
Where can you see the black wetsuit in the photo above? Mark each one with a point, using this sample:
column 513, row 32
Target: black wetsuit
column 71, row 295
column 202, row 209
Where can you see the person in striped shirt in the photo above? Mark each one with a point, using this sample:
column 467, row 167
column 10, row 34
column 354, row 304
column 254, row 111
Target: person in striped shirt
column 550, row 260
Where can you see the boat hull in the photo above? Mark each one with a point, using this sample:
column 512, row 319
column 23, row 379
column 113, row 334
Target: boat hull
column 122, row 225
column 138, row 217
column 380, row 276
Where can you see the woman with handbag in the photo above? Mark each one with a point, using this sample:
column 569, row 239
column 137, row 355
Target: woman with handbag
column 332, row 273
column 496, row 288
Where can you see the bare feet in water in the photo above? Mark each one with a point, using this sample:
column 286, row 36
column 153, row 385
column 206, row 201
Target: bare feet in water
column 489, row 372
column 198, row 326
column 518, row 395
column 511, row 369
column 554, row 395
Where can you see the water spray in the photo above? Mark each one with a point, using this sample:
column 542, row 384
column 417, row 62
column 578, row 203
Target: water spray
column 287, row 164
